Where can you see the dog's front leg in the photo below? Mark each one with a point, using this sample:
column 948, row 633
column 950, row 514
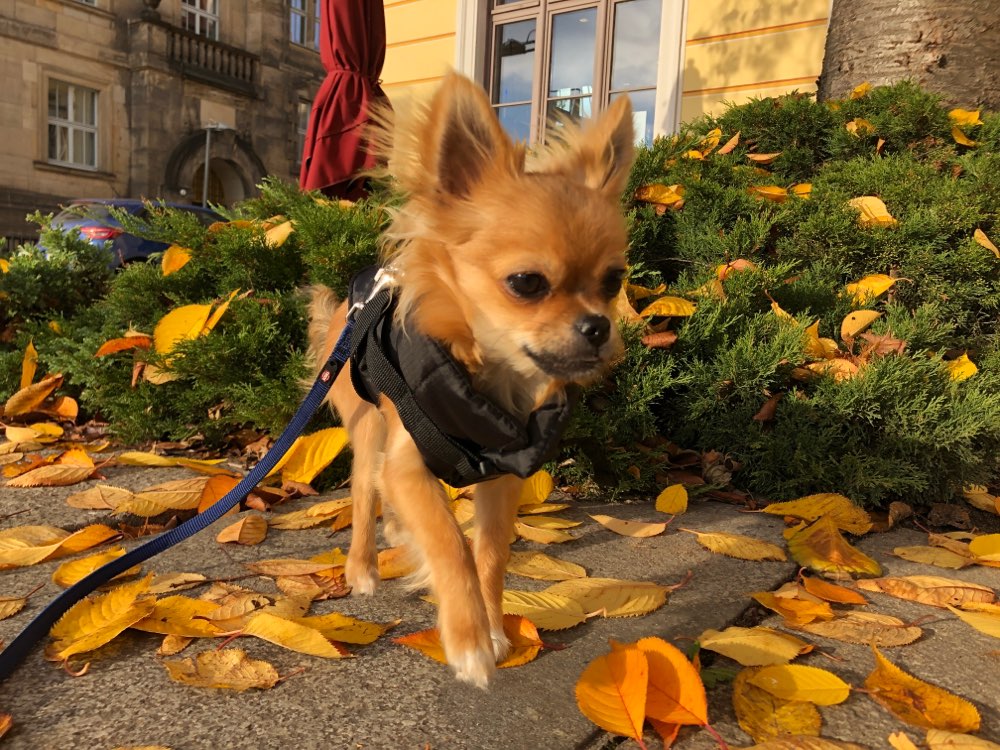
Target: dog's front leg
column 496, row 507
column 420, row 504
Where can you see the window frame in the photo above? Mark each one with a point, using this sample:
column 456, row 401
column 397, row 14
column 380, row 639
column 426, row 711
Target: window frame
column 202, row 17
column 72, row 126
column 311, row 19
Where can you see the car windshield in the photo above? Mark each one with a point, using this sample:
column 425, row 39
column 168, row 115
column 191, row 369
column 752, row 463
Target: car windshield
column 79, row 211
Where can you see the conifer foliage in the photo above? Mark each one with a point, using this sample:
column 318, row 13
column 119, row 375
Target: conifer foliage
column 830, row 321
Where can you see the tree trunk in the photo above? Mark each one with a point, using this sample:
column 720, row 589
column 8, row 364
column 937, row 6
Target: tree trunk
column 950, row 47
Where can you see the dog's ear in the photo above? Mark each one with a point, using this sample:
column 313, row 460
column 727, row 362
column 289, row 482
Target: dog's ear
column 600, row 153
column 462, row 138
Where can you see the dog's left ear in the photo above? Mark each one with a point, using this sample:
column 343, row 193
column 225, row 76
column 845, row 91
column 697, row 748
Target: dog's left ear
column 601, row 154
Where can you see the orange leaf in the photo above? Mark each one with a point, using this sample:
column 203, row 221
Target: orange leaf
column 730, row 145
column 126, row 342
column 215, row 489
column 611, row 692
column 676, row 694
column 30, row 398
column 29, row 364
column 763, row 158
column 831, row 592
column 174, row 259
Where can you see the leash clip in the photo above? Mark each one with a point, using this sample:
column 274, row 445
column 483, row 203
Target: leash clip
column 383, row 278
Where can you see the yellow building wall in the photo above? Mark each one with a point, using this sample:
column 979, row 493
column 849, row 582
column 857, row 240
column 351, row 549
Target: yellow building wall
column 735, row 51
column 420, row 45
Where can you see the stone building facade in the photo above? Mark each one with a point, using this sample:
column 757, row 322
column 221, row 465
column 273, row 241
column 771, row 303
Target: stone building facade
column 124, row 98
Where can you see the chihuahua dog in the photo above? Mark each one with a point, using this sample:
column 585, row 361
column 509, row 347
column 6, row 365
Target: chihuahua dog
column 513, row 270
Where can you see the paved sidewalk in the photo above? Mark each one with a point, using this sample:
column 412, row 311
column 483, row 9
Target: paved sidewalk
column 392, row 697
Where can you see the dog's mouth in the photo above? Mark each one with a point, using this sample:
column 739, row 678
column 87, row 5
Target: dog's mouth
column 566, row 367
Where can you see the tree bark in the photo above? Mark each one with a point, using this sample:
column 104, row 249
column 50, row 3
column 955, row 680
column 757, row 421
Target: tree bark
column 951, row 47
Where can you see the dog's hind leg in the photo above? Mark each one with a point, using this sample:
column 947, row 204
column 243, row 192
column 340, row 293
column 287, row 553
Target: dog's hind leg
column 496, row 506
column 419, row 503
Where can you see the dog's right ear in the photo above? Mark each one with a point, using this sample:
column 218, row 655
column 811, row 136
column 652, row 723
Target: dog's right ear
column 462, row 140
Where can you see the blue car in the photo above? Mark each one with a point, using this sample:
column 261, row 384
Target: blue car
column 92, row 219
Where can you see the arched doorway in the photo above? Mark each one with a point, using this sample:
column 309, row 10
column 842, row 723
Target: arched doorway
column 233, row 169
column 225, row 186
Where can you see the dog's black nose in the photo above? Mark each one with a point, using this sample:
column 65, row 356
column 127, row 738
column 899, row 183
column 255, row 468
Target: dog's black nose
column 594, row 328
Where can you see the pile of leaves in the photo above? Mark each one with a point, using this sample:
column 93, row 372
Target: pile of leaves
column 812, row 306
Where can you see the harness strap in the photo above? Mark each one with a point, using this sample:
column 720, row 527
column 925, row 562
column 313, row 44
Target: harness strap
column 21, row 646
column 387, row 379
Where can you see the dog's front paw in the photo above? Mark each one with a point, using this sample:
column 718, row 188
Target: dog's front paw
column 474, row 666
column 501, row 645
column 362, row 577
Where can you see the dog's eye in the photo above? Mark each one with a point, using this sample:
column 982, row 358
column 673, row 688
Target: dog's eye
column 612, row 282
column 528, row 285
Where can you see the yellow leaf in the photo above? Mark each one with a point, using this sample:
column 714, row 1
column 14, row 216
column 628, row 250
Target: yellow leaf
column 611, row 692
column 711, row 140
column 180, row 616
column 899, row 741
column 831, row 592
column 42, row 432
column 395, row 562
column 30, row 397
column 965, row 117
column 541, row 567
column 986, row 547
column 90, row 623
column 738, row 546
column 427, row 642
column 978, row 497
column 291, row 635
column 936, row 556
column 872, row 212
column 861, row 90
column 961, row 368
column 313, row 453
column 676, row 307
column 864, row 628
column 795, row 611
column 168, row 583
column 29, row 365
column 859, row 127
column 673, row 500
column 229, row 669
column 540, row 508
column 782, row 314
column 870, row 287
column 763, row 158
column 837, row 368
column 795, row 682
column 337, row 627
column 980, row 236
column 939, row 739
column 174, row 259
column 765, row 717
column 542, row 536
column 178, row 494
column 917, row 702
column 55, row 475
column 289, row 567
column 933, row 590
column 754, row 647
column 536, row 488
column 76, row 570
column 4, row 265
column 961, row 138
column 547, row 611
column 694, row 154
column 630, row 528
column 984, row 622
column 773, row 193
column 33, row 544
column 276, row 236
column 548, row 522
column 612, row 597
column 11, row 605
column 664, row 195
column 217, row 314
column 248, row 531
column 846, row 515
column 856, row 322
column 731, row 144
column 801, row 189
column 181, row 324
column 820, row 546
column 138, row 458
column 819, row 348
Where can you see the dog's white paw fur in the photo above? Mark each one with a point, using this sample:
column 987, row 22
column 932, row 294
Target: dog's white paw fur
column 474, row 667
column 501, row 645
column 362, row 578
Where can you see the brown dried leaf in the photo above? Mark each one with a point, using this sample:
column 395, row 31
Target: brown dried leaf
column 249, row 531
column 864, row 628
column 933, row 590
column 230, row 669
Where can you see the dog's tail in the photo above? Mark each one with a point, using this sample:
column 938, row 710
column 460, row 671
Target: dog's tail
column 322, row 305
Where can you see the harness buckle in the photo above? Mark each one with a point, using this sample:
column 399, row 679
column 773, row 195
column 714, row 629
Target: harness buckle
column 383, row 278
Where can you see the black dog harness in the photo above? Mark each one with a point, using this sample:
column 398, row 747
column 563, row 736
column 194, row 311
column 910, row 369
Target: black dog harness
column 463, row 436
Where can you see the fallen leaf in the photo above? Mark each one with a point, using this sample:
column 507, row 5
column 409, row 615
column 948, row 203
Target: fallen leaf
column 984, row 622
column 663, row 195
column 612, row 691
column 917, row 702
column 291, row 635
column 864, row 628
column 856, row 322
column 542, row 567
column 754, row 647
column 801, row 683
column 113, row 346
column 899, row 741
column 965, row 117
column 337, row 627
column 820, row 547
column 277, row 235
column 773, row 193
column 762, row 159
column 54, row 475
column 831, row 592
column 6, row 720
column 731, row 144
column 548, row 522
column 547, row 611
column 675, row 693
column 961, row 138
column 846, row 515
column 861, row 90
column 178, row 494
column 933, row 590
column 288, row 567
column 800, row 742
column 180, row 616
column 859, row 127
column 961, row 368
column 673, row 500
column 674, row 307
column 939, row 739
column 30, row 397
column 172, row 645
column 229, row 669
column 216, row 488
column 765, row 717
column 525, row 643
column 542, row 536
column 395, row 562
column 661, row 340
column 76, row 570
column 541, row 508
column 180, row 324
column 613, row 597
column 630, row 528
column 738, row 546
column 980, row 236
column 795, row 611
column 870, row 287
column 936, row 556
column 978, row 497
column 168, row 583
column 248, row 531
column 28, row 545
column 872, row 212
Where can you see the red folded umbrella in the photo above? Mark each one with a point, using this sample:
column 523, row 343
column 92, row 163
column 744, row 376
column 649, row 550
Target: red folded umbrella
column 352, row 48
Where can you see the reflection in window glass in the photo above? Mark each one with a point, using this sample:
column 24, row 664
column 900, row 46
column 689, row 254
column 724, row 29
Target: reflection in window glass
column 72, row 125
column 571, row 70
column 636, row 47
column 515, row 62
column 516, row 120
column 643, row 108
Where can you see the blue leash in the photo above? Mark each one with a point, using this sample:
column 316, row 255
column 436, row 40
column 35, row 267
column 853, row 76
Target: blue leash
column 21, row 646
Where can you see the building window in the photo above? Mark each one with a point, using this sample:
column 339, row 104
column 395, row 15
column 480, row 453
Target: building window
column 553, row 60
column 301, row 128
column 304, row 22
column 201, row 17
column 72, row 139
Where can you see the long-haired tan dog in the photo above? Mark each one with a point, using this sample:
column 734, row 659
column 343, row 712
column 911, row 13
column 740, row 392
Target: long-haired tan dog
column 515, row 270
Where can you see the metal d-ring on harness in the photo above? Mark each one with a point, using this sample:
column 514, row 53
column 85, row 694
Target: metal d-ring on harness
column 21, row 646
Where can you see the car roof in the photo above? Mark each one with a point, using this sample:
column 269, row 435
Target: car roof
column 132, row 204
